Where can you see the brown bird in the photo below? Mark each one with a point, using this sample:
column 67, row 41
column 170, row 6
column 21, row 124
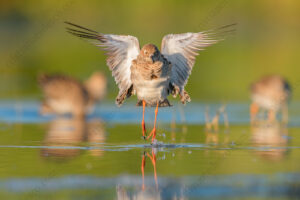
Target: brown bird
column 270, row 93
column 63, row 94
column 149, row 73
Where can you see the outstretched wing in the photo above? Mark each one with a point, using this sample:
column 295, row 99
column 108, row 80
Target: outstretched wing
column 181, row 50
column 121, row 50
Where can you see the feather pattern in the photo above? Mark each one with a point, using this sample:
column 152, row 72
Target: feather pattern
column 181, row 50
column 178, row 50
column 120, row 51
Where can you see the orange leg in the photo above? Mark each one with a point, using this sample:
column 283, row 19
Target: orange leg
column 143, row 121
column 153, row 160
column 253, row 111
column 143, row 171
column 153, row 132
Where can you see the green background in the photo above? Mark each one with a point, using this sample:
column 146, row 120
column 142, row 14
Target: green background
column 33, row 40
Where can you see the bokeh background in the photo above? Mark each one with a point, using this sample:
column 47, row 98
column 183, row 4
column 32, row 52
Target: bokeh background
column 33, row 40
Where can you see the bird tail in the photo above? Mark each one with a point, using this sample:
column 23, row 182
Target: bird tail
column 164, row 103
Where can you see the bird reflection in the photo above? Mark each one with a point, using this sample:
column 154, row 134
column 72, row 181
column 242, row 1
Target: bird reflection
column 153, row 161
column 183, row 127
column 145, row 192
column 95, row 136
column 271, row 138
column 212, row 125
column 64, row 136
column 122, row 194
column 212, row 133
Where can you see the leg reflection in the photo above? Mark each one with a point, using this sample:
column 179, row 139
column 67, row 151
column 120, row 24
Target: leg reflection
column 152, row 157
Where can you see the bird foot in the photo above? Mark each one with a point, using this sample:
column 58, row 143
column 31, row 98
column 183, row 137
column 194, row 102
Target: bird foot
column 153, row 134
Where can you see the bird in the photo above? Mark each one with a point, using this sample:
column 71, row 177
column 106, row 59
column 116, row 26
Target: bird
column 149, row 73
column 271, row 93
column 64, row 94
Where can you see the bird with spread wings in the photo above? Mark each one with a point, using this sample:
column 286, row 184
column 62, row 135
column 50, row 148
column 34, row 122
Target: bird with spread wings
column 148, row 72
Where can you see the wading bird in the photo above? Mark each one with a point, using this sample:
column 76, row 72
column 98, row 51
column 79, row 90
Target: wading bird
column 272, row 94
column 64, row 94
column 147, row 72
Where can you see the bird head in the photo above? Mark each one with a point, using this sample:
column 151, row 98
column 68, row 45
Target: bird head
column 150, row 52
column 96, row 85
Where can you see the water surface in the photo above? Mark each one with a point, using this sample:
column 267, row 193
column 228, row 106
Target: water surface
column 104, row 157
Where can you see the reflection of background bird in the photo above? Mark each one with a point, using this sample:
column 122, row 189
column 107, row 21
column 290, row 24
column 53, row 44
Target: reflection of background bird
column 63, row 132
column 270, row 135
column 270, row 93
column 95, row 136
column 63, row 94
column 212, row 125
column 150, row 74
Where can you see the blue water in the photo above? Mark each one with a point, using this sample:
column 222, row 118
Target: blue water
column 192, row 113
column 50, row 157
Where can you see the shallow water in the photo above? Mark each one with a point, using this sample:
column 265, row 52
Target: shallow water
column 104, row 157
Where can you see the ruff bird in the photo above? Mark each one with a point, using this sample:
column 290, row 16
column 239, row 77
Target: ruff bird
column 270, row 93
column 64, row 94
column 149, row 73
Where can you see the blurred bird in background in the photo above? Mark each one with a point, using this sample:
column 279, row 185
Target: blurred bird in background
column 64, row 94
column 149, row 73
column 270, row 93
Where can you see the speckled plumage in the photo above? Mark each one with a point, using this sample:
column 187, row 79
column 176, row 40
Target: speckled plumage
column 137, row 73
column 151, row 80
column 149, row 73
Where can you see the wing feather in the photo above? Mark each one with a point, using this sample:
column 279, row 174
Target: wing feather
column 181, row 50
column 120, row 51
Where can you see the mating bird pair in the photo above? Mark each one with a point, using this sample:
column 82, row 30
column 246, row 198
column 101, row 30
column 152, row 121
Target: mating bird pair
column 148, row 72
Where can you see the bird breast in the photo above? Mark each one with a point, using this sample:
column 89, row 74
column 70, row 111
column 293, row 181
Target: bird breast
column 152, row 90
column 150, row 80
